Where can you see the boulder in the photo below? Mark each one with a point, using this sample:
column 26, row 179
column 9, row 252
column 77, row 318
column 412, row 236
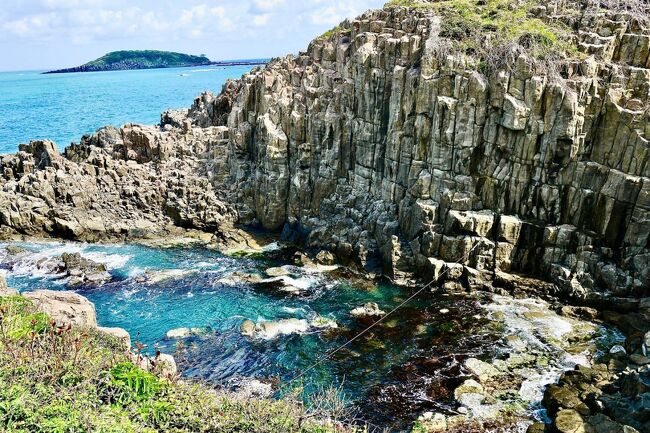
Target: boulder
column 64, row 307
column 570, row 421
column 121, row 334
column 180, row 333
column 5, row 290
column 325, row 258
column 371, row 309
column 482, row 370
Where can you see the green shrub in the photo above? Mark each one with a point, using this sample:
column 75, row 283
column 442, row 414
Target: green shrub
column 73, row 380
column 493, row 31
column 129, row 383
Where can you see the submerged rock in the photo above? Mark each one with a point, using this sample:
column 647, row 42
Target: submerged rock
column 273, row 329
column 371, row 310
column 482, row 370
column 157, row 277
column 269, row 330
column 180, row 333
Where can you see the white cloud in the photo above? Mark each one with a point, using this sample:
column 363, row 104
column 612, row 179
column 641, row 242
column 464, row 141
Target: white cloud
column 268, row 4
column 260, row 20
column 333, row 12
column 220, row 28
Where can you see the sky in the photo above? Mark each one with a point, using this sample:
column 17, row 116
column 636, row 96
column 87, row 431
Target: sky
column 48, row 34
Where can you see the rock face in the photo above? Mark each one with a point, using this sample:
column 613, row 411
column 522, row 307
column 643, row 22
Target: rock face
column 375, row 146
column 380, row 147
column 65, row 307
column 130, row 182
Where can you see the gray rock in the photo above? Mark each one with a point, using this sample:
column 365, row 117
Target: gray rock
column 64, row 307
column 5, row 290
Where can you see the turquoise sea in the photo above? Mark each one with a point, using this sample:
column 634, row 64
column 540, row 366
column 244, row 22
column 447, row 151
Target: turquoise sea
column 407, row 365
column 63, row 107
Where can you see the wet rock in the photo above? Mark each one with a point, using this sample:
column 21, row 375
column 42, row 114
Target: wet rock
column 585, row 313
column 570, row 421
column 180, row 333
column 371, row 309
column 325, row 258
column 64, row 307
column 470, row 386
column 433, row 422
column 559, row 397
column 277, row 272
column 269, row 330
column 321, row 322
column 536, row 427
column 247, row 328
column 82, row 271
column 639, row 359
column 482, row 370
column 166, row 275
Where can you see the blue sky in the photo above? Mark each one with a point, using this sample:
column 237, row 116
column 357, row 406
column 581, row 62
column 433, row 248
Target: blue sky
column 44, row 34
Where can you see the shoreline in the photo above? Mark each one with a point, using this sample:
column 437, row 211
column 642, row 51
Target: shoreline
column 83, row 69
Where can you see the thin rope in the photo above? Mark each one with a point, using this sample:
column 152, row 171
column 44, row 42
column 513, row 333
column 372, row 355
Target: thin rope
column 365, row 331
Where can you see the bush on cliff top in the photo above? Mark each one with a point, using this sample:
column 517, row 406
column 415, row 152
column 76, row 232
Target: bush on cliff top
column 493, row 31
column 70, row 380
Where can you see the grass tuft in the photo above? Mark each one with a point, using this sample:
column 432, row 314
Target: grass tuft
column 69, row 380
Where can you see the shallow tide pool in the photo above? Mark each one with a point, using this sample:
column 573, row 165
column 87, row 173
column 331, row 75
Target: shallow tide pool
column 408, row 365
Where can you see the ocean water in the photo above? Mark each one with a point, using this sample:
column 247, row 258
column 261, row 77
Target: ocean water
column 405, row 366
column 198, row 287
column 63, row 107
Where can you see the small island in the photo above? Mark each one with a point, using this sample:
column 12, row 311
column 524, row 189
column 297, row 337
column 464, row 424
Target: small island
column 148, row 59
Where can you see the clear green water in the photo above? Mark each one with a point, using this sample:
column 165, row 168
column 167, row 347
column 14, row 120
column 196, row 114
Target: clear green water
column 63, row 107
column 385, row 373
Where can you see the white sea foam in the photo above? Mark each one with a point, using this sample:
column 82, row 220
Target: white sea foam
column 111, row 261
column 539, row 330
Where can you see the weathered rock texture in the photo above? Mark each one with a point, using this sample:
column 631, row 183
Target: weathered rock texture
column 378, row 146
column 134, row 182
column 374, row 145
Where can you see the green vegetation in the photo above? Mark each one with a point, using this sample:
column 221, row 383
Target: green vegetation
column 70, row 380
column 147, row 59
column 335, row 31
column 494, row 32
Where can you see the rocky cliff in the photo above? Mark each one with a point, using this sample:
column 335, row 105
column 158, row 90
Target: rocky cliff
column 387, row 146
column 378, row 144
column 398, row 147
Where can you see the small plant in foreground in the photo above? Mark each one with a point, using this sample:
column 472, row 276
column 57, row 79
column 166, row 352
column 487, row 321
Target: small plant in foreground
column 63, row 379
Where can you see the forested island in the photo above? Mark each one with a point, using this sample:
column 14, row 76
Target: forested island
column 148, row 59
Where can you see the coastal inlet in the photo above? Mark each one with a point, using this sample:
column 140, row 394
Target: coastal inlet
column 254, row 321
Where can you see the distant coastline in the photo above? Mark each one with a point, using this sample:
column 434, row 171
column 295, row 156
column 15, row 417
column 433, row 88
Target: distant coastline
column 134, row 60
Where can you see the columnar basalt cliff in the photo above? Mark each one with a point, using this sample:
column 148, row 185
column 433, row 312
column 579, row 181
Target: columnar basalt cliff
column 388, row 147
column 374, row 143
column 383, row 145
